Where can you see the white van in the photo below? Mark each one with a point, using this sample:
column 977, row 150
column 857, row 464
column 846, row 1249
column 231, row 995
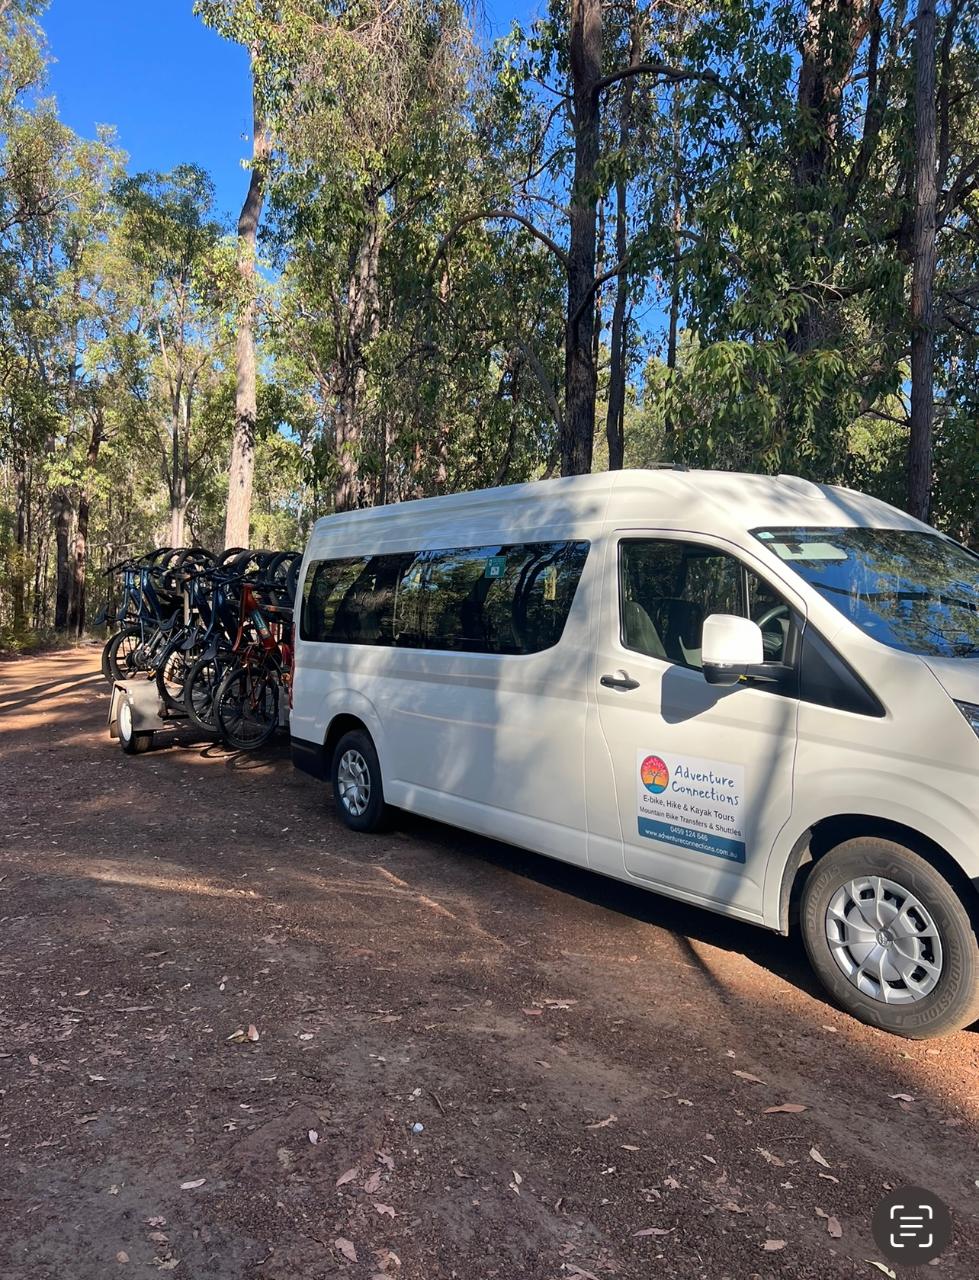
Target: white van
column 755, row 694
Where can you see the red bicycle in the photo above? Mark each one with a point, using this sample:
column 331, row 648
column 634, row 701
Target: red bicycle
column 248, row 699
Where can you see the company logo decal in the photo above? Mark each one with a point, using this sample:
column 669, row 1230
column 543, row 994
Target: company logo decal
column 655, row 775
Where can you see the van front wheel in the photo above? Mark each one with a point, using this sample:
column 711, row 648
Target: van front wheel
column 357, row 786
column 891, row 940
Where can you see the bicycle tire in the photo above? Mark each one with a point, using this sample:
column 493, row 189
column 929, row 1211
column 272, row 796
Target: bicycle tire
column 106, row 669
column 202, row 682
column 247, row 707
column 172, row 672
column 124, row 667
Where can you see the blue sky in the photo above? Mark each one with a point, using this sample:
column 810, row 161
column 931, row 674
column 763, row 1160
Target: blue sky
column 175, row 91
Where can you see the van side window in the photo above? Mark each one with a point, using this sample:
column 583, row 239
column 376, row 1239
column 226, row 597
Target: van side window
column 505, row 599
column 668, row 587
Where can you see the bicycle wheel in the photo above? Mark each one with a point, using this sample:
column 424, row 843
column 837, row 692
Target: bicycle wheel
column 106, row 669
column 171, row 674
column 247, row 707
column 122, row 654
column 200, row 687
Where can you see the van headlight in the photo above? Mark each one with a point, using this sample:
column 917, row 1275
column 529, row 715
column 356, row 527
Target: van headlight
column 971, row 713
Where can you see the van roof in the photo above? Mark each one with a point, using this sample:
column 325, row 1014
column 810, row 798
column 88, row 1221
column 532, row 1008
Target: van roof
column 697, row 500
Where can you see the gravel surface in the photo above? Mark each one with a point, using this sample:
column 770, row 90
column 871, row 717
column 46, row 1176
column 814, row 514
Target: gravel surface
column 595, row 1068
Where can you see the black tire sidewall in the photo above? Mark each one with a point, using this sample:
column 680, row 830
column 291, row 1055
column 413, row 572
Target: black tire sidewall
column 240, row 674
column 955, row 1001
column 189, row 706
column 376, row 815
column 113, row 648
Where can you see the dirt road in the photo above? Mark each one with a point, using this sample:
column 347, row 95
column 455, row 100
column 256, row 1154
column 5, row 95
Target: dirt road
column 594, row 1067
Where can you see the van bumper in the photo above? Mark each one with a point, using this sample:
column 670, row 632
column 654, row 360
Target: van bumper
column 309, row 757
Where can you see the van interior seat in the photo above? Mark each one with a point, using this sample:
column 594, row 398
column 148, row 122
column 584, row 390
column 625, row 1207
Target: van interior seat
column 682, row 625
column 640, row 632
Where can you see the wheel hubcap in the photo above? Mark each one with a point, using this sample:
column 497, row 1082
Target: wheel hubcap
column 354, row 782
column 884, row 939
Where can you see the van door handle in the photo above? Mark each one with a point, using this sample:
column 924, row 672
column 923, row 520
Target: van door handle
column 619, row 681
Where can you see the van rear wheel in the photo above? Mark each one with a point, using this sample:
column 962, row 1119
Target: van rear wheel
column 357, row 786
column 891, row 940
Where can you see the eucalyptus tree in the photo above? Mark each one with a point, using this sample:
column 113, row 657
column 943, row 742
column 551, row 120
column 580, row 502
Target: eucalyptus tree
column 247, row 22
column 178, row 303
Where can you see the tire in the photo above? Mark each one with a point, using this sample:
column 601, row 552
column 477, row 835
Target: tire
column 120, row 654
column 931, row 983
column 106, row 669
column 358, row 788
column 132, row 743
column 171, row 674
column 200, row 688
column 247, row 707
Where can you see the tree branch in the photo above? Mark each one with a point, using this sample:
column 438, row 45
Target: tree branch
column 510, row 215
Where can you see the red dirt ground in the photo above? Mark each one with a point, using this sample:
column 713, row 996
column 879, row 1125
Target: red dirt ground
column 571, row 1046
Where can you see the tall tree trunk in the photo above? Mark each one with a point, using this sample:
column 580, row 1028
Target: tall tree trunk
column 79, row 559
column 242, row 469
column 178, row 471
column 362, row 326
column 618, row 355
column 18, row 585
column 676, row 196
column 62, row 529
column 923, row 265
column 580, row 380
column 829, row 46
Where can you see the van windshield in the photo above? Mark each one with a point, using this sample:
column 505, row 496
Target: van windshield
column 911, row 590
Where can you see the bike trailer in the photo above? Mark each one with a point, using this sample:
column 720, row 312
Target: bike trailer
column 136, row 712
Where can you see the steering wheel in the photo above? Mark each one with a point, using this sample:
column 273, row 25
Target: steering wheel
column 771, row 614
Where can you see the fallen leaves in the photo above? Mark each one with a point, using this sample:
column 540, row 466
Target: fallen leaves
column 789, row 1108
column 373, row 1183
column 602, row 1124
column 901, row 1097
column 515, row 1184
column 746, row 1075
column 880, row 1267
column 819, row 1159
column 313, row 1136
column 346, row 1247
column 384, row 1210
column 832, row 1224
column 193, row 1185
column 773, row 1246
column 349, row 1176
column 242, row 1034
column 653, row 1231
column 772, row 1159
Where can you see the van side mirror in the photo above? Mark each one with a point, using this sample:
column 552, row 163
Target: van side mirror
column 731, row 647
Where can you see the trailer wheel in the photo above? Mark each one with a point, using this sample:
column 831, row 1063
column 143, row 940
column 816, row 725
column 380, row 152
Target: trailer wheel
column 132, row 743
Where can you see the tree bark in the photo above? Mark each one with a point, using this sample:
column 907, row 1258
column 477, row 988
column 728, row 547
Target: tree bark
column 923, row 265
column 580, row 380
column 362, row 326
column 79, row 559
column 179, row 467
column 618, row 355
column 62, row 529
column 828, row 49
column 242, row 468
column 18, row 584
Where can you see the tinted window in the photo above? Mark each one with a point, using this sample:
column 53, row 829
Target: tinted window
column 668, row 588
column 911, row 590
column 507, row 599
